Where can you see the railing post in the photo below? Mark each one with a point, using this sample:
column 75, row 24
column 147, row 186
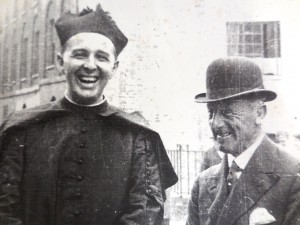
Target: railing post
column 188, row 168
column 180, row 168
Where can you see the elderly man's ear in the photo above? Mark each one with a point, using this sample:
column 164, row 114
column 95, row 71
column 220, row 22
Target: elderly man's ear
column 261, row 113
column 60, row 63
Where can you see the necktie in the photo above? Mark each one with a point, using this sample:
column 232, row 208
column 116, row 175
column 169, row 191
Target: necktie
column 232, row 175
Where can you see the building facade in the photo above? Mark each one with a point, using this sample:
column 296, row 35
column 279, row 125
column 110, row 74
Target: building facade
column 163, row 67
column 28, row 46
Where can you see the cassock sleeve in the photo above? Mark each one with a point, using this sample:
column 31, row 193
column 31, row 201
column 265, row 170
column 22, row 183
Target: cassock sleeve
column 11, row 167
column 151, row 174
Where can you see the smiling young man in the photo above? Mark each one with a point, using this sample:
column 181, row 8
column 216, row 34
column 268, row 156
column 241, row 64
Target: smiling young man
column 89, row 61
column 80, row 161
column 256, row 183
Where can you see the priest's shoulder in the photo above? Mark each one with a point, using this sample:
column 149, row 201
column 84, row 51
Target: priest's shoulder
column 32, row 115
column 132, row 120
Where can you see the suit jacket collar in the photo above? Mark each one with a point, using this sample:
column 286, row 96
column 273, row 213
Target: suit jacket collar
column 257, row 178
column 218, row 190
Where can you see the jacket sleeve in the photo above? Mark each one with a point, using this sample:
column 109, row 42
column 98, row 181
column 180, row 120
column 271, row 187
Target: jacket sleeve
column 292, row 216
column 11, row 164
column 147, row 189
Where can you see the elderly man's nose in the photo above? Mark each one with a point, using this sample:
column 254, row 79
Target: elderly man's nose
column 217, row 120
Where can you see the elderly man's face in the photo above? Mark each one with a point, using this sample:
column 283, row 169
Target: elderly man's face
column 235, row 123
column 88, row 61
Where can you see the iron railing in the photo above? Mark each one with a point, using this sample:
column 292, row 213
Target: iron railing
column 187, row 165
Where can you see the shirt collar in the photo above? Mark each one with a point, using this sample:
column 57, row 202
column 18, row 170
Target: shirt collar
column 102, row 109
column 243, row 159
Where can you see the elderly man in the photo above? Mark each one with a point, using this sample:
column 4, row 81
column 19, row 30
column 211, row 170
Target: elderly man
column 256, row 183
column 81, row 161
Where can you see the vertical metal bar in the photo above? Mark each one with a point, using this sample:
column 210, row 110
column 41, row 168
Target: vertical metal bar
column 195, row 162
column 178, row 170
column 174, row 164
column 180, row 164
column 188, row 168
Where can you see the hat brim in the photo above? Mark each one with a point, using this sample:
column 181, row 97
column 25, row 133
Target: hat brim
column 266, row 95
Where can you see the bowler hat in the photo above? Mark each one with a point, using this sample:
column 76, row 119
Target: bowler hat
column 233, row 77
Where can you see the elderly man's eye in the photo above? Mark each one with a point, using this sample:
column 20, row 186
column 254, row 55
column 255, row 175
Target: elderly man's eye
column 227, row 112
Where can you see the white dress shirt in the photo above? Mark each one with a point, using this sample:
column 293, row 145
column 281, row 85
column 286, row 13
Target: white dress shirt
column 243, row 159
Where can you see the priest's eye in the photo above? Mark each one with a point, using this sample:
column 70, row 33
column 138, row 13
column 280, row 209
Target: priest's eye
column 80, row 54
column 102, row 57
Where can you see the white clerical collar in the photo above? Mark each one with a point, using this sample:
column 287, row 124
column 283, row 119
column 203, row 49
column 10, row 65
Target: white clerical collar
column 243, row 159
column 91, row 105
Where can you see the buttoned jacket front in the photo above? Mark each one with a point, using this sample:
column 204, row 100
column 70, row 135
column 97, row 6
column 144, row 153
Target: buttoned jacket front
column 64, row 164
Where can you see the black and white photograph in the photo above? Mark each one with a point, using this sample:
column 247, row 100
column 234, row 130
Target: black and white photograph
column 138, row 112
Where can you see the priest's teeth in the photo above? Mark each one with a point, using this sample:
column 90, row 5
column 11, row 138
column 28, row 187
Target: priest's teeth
column 88, row 79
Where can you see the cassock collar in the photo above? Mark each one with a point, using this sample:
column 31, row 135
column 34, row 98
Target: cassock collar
column 102, row 108
column 92, row 105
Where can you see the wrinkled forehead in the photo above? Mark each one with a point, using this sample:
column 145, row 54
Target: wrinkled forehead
column 89, row 41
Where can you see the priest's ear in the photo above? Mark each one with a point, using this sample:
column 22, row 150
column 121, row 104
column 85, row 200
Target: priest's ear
column 60, row 64
column 116, row 66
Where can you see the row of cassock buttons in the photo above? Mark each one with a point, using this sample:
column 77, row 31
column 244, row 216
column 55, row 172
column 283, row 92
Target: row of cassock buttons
column 148, row 172
column 79, row 178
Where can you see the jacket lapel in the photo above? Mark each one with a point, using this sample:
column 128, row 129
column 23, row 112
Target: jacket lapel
column 257, row 178
column 219, row 184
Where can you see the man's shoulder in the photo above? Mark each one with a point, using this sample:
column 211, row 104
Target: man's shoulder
column 286, row 161
column 208, row 177
column 212, row 172
column 125, row 119
column 270, row 155
column 32, row 115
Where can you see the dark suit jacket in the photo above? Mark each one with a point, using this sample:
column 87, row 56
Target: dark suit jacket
column 270, row 180
column 65, row 164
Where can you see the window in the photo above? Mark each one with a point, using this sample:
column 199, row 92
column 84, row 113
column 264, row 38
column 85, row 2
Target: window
column 50, row 42
column 35, row 53
column 13, row 58
column 5, row 66
column 23, row 71
column 13, row 64
column 5, row 111
column 23, row 60
column 5, row 69
column 253, row 39
column 35, row 49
